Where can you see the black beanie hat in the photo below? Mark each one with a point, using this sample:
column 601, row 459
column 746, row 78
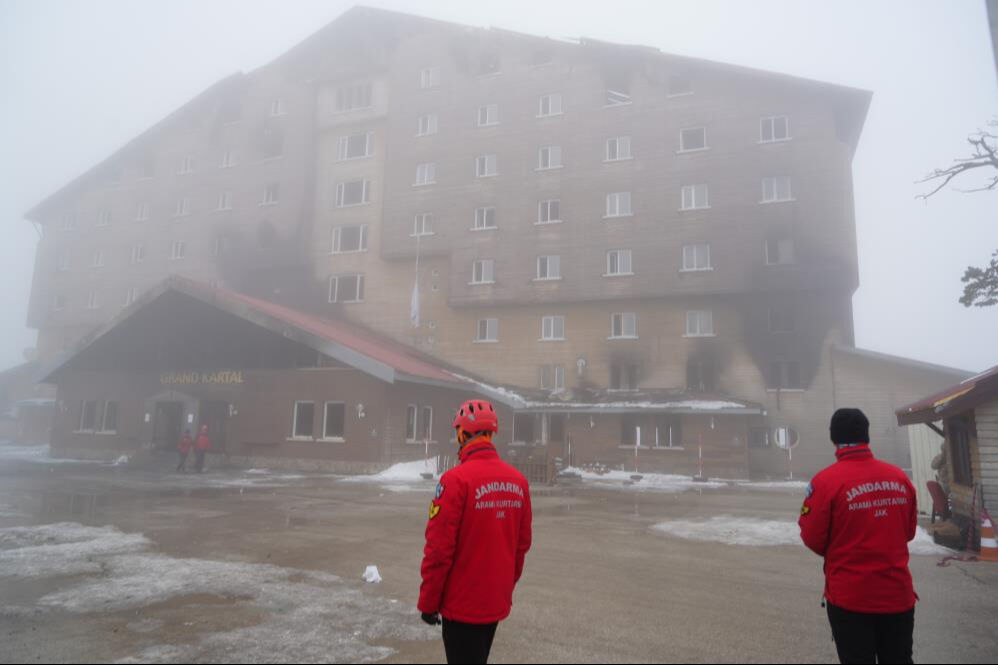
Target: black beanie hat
column 850, row 426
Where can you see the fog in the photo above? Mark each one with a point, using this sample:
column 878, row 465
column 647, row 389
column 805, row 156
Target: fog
column 82, row 78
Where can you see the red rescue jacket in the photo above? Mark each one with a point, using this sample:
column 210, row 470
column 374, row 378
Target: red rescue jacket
column 185, row 443
column 203, row 442
column 476, row 538
column 860, row 514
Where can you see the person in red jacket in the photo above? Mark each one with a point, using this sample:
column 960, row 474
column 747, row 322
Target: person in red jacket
column 184, row 448
column 201, row 446
column 476, row 539
column 859, row 514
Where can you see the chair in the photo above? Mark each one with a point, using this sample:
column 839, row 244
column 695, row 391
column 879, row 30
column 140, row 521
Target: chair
column 940, row 502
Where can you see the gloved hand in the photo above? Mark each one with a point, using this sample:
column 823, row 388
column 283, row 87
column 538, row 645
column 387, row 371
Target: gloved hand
column 431, row 619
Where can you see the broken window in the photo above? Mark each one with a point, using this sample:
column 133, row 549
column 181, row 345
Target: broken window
column 352, row 193
column 524, row 428
column 784, row 375
column 350, row 239
column 346, row 288
column 623, row 376
column 356, row 146
column 700, row 375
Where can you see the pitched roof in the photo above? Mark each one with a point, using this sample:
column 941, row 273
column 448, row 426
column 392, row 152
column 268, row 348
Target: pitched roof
column 956, row 399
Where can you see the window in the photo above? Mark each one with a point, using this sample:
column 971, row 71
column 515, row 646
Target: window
column 422, row 224
column 346, row 288
column 488, row 115
column 228, row 160
column 668, row 432
column 186, row 166
column 429, row 77
column 303, row 420
column 178, row 250
column 104, row 217
column 277, row 107
column 333, row 420
column 225, row 201
column 630, row 432
column 109, row 423
column 618, row 204
column 218, row 247
column 782, row 319
column 553, row 328
column 549, row 157
column 353, row 97
column 774, row 128
column 525, row 427
column 271, row 194
column 623, row 377
column 483, row 271
column 679, row 84
column 958, row 433
column 692, row 139
column 784, row 375
column 426, row 423
column 618, row 94
column 618, row 262
column 88, row 416
column 549, row 267
column 93, row 301
column 549, row 212
column 355, row 146
column 700, row 323
column 549, row 105
column 485, row 166
column 552, row 377
column 410, row 423
column 350, row 239
column 427, row 125
column 183, row 208
column 63, row 265
column 97, row 260
column 780, row 252
column 138, row 253
column 59, row 302
column 488, row 330
column 68, row 221
column 696, row 257
column 426, row 174
column 618, row 148
column 352, row 193
column 700, row 375
column 776, row 189
column 485, row 218
column 624, row 325
column 694, row 197
column 142, row 212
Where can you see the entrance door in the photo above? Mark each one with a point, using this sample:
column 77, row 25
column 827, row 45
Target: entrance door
column 167, row 425
column 214, row 414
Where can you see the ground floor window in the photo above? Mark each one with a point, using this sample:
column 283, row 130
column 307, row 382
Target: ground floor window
column 426, row 424
column 524, row 428
column 410, row 422
column 303, row 424
column 668, row 432
column 958, row 431
column 88, row 416
column 109, row 423
column 333, row 420
column 556, row 427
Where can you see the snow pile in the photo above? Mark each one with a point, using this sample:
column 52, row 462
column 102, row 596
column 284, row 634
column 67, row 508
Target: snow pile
column 402, row 472
column 753, row 532
column 658, row 482
column 121, row 461
column 38, row 454
column 306, row 616
column 371, row 575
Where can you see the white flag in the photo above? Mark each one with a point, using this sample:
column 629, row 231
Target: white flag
column 414, row 305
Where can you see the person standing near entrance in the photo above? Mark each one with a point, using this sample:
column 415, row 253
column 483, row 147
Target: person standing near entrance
column 859, row 514
column 201, row 447
column 477, row 536
column 184, row 449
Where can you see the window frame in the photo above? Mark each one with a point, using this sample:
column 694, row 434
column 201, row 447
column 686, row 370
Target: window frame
column 341, row 189
column 295, row 436
column 337, row 239
column 696, row 267
column 617, row 198
column 325, row 421
column 682, row 139
column 776, row 180
column 491, row 326
column 694, row 198
column 771, row 119
column 550, row 97
column 487, row 266
column 548, row 277
column 698, row 315
column 359, row 291
column 619, row 253
column 616, row 141
column 624, row 317
column 485, row 214
column 549, row 328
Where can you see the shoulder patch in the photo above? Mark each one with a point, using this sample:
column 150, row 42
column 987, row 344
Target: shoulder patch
column 808, row 491
column 434, row 510
column 440, row 491
column 805, row 510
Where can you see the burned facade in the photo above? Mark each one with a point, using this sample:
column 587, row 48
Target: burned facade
column 596, row 223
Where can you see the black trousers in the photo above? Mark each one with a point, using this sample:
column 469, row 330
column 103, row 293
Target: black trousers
column 468, row 642
column 872, row 638
column 183, row 461
column 199, row 454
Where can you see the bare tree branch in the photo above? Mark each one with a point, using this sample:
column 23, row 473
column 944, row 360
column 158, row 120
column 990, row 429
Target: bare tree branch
column 984, row 154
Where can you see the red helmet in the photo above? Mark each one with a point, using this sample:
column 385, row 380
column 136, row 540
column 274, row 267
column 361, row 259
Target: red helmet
column 476, row 415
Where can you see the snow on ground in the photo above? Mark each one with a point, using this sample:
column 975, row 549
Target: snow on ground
column 306, row 616
column 755, row 532
column 797, row 485
column 38, row 453
column 658, row 482
column 402, row 472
